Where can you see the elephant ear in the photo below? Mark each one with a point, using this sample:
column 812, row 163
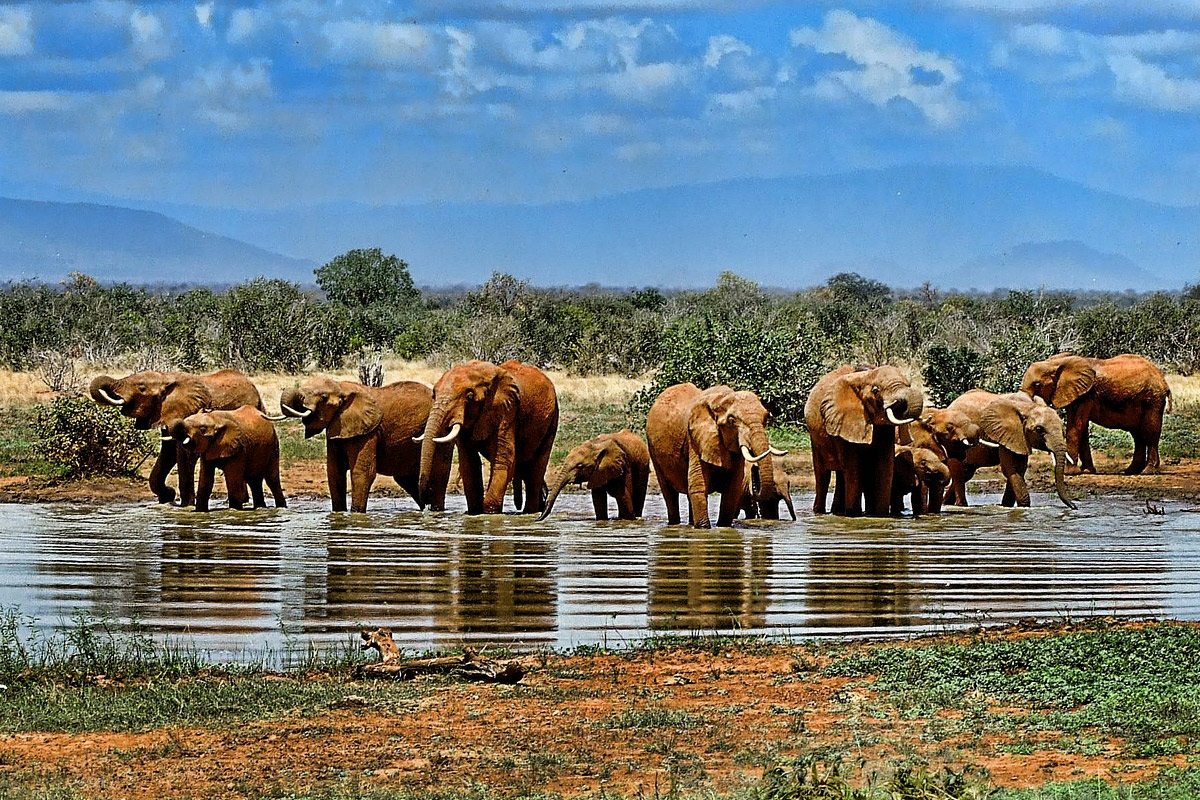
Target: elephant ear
column 359, row 415
column 1075, row 378
column 845, row 415
column 227, row 442
column 609, row 466
column 1003, row 424
column 704, row 432
column 182, row 397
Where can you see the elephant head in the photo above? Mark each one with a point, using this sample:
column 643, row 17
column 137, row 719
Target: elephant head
column 212, row 436
column 724, row 425
column 1022, row 424
column 1059, row 380
column 597, row 462
column 926, row 465
column 152, row 399
column 342, row 409
column 474, row 400
column 944, row 430
column 863, row 399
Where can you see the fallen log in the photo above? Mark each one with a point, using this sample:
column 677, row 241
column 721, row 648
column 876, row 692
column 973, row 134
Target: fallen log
column 469, row 666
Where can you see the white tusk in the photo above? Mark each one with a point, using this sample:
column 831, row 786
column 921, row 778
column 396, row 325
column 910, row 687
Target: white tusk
column 186, row 440
column 451, row 436
column 986, row 442
column 291, row 412
column 168, row 438
column 1070, row 460
column 775, row 451
column 269, row 418
column 752, row 458
column 967, row 442
column 115, row 399
column 891, row 415
column 1053, row 460
column 420, row 438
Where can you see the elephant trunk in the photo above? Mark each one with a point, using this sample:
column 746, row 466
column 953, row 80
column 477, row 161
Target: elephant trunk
column 755, row 480
column 291, row 402
column 762, row 473
column 101, row 390
column 429, row 447
column 560, row 480
column 1060, row 483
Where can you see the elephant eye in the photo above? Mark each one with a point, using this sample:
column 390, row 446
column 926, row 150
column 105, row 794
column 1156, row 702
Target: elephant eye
column 470, row 395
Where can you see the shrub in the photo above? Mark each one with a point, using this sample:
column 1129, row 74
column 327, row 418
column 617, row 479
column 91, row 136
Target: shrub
column 86, row 439
column 950, row 372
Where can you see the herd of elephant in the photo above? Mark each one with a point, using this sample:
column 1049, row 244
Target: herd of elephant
column 870, row 428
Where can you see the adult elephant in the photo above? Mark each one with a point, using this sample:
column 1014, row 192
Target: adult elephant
column 852, row 416
column 1019, row 424
column 242, row 444
column 369, row 432
column 1126, row 392
column 765, row 502
column 700, row 443
column 613, row 465
column 160, row 399
column 506, row 413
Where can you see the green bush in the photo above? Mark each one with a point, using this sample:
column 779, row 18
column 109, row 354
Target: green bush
column 86, row 439
column 950, row 372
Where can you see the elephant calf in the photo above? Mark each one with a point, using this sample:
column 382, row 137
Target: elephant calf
column 614, row 465
column 922, row 475
column 762, row 499
column 240, row 443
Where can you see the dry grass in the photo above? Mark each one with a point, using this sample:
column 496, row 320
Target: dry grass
column 1185, row 392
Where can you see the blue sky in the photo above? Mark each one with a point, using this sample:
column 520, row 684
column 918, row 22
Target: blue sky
column 276, row 104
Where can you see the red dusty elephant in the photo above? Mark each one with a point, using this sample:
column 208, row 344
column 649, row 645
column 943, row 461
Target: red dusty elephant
column 700, row 443
column 1126, row 392
column 242, row 444
column 614, row 465
column 921, row 475
column 852, row 416
column 369, row 432
column 160, row 399
column 764, row 503
column 506, row 413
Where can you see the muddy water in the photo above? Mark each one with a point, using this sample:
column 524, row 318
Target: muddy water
column 238, row 583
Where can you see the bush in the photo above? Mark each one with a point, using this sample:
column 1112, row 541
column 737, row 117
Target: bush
column 950, row 372
column 86, row 439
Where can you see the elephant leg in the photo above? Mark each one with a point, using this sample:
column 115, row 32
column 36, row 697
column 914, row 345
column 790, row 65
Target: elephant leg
column 956, row 494
column 256, row 491
column 822, row 477
column 1013, row 467
column 187, row 478
column 1078, row 438
column 850, row 487
column 276, row 486
column 626, row 497
column 205, row 486
column 600, row 503
column 697, row 493
column 535, row 473
column 934, row 504
column 769, row 509
column 163, row 465
column 470, row 471
column 839, row 493
column 1140, row 446
column 443, row 461
column 1152, row 424
column 335, row 473
column 731, row 498
column 918, row 500
column 235, row 484
column 363, row 471
column 671, row 501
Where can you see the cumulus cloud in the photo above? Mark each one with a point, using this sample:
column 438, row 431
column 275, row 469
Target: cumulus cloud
column 228, row 96
column 150, row 41
column 244, row 23
column 16, row 31
column 379, row 43
column 1144, row 84
column 889, row 67
column 204, row 14
column 16, row 103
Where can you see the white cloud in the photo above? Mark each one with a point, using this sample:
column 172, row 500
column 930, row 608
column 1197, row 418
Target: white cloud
column 16, row 31
column 741, row 103
column 721, row 46
column 890, row 67
column 204, row 14
column 228, row 97
column 17, row 102
column 244, row 23
column 385, row 44
column 645, row 83
column 149, row 38
column 1144, row 84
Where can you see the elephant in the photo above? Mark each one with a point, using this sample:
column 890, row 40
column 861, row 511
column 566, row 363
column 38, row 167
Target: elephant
column 160, row 399
column 1126, row 392
column 700, row 443
column 1019, row 424
column 614, row 465
column 947, row 432
column 240, row 443
column 762, row 503
column 852, row 416
column 369, row 432
column 506, row 413
column 921, row 474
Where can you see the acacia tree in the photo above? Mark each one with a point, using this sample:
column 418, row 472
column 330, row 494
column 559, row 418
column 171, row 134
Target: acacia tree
column 375, row 290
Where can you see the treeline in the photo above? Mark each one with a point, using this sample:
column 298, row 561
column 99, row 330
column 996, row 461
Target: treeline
column 777, row 344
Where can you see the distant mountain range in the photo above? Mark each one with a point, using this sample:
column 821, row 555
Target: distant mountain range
column 956, row 226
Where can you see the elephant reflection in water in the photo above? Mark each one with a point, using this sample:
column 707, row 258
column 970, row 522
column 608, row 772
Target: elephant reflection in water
column 708, row 581
column 862, row 587
column 235, row 575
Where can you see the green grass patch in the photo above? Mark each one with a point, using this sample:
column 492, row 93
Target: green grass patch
column 652, row 718
column 1173, row 784
column 294, row 447
column 1141, row 686
column 18, row 445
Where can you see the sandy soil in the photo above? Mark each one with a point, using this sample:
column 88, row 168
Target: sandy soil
column 563, row 731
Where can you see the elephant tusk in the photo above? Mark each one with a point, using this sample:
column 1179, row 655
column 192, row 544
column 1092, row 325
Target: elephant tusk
column 1053, row 460
column 167, row 438
column 987, row 443
column 186, row 440
column 114, row 399
column 291, row 412
column 451, row 436
column 892, row 418
column 966, row 442
column 420, row 438
column 1070, row 460
column 270, row 418
column 753, row 458
column 775, row 451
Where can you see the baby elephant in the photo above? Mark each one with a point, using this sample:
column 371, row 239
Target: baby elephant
column 613, row 464
column 240, row 443
column 763, row 501
column 923, row 475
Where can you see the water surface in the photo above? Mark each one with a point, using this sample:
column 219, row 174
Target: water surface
column 240, row 582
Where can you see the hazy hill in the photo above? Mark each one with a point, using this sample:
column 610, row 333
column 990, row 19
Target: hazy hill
column 48, row 240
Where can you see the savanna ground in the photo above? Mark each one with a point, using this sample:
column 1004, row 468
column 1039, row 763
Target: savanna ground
column 1095, row 709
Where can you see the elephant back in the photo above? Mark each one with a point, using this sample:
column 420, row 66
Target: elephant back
column 229, row 389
